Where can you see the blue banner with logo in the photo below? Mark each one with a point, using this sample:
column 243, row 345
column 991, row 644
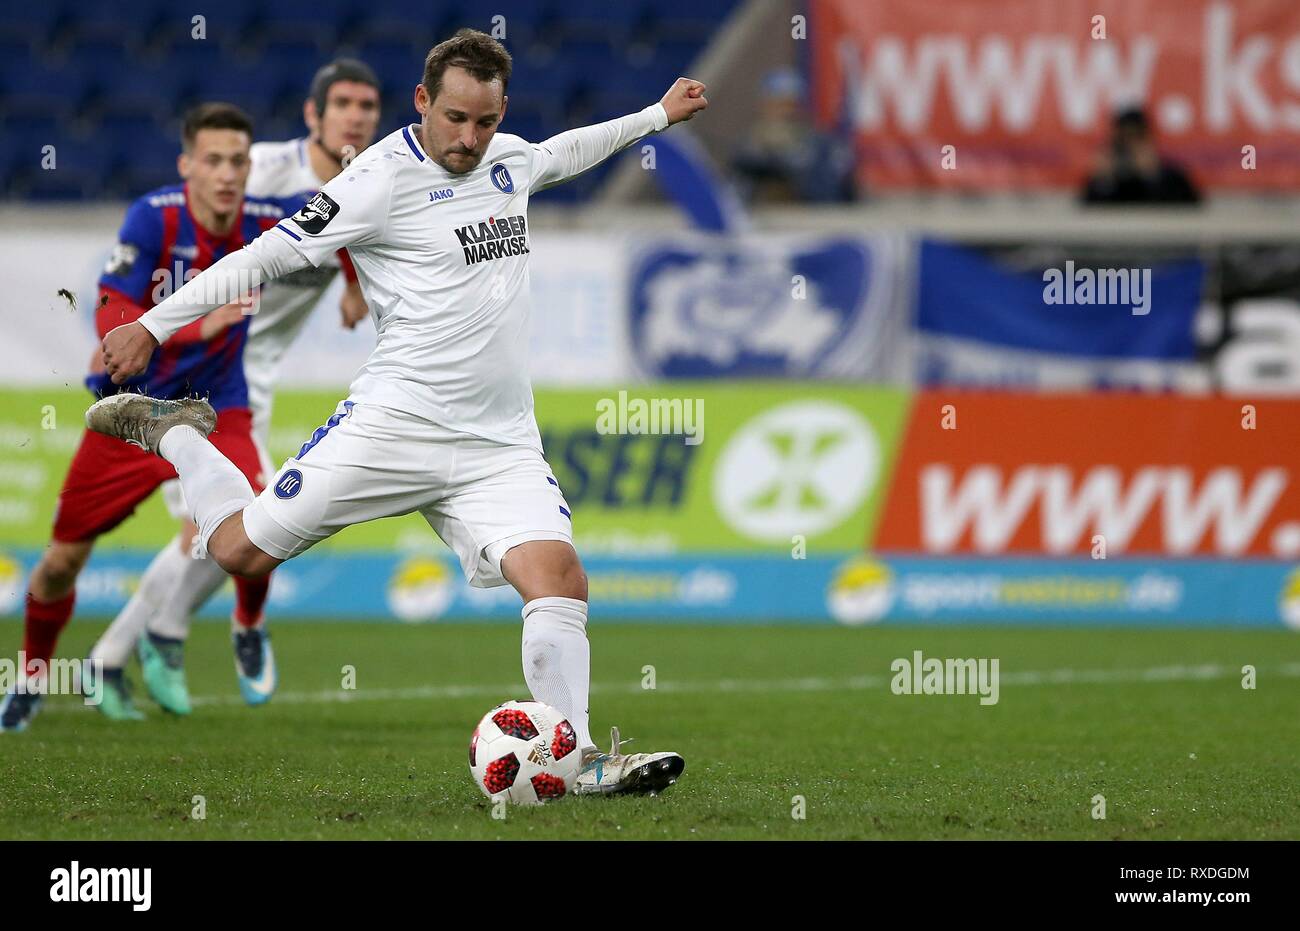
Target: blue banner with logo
column 982, row 321
column 767, row 306
column 848, row 589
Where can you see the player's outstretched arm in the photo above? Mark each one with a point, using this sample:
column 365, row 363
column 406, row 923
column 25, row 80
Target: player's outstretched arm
column 683, row 100
column 571, row 153
column 128, row 348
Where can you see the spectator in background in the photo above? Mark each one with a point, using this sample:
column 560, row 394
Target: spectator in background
column 785, row 158
column 1131, row 171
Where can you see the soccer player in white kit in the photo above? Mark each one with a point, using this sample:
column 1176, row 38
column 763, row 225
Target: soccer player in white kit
column 342, row 116
column 440, row 418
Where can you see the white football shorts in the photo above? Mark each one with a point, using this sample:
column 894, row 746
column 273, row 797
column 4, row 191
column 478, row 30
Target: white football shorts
column 481, row 497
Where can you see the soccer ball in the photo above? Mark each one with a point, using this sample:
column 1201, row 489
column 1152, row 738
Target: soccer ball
column 525, row 751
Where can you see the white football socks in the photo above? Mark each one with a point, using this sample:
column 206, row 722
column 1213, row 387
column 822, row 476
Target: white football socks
column 214, row 488
column 197, row 581
column 173, row 587
column 557, row 659
column 156, row 586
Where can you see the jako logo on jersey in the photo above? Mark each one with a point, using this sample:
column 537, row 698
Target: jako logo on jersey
column 445, row 194
column 495, row 238
column 289, row 484
column 501, row 179
column 316, row 213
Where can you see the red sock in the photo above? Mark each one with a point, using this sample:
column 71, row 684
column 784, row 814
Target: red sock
column 43, row 623
column 250, row 596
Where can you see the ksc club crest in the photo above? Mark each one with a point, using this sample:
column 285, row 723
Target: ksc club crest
column 501, row 179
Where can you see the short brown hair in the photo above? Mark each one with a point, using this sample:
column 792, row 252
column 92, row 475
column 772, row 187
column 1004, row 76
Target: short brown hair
column 477, row 52
column 213, row 116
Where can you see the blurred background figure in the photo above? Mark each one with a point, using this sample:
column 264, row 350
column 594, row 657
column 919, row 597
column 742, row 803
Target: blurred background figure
column 786, row 158
column 1130, row 169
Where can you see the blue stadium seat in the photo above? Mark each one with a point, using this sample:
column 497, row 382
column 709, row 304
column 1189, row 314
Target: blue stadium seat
column 101, row 59
column 189, row 60
column 592, row 56
column 677, row 55
column 254, row 90
column 224, row 24
column 148, row 163
column 32, row 23
column 66, row 64
column 398, row 63
column 127, row 25
column 524, row 20
column 25, row 142
column 530, row 126
column 617, row 24
column 128, row 134
column 57, row 91
column 317, row 21
column 300, row 54
column 143, row 87
column 695, row 20
column 78, row 171
column 547, row 86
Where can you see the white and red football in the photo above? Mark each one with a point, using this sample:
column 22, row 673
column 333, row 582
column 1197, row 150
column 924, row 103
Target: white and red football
column 525, row 751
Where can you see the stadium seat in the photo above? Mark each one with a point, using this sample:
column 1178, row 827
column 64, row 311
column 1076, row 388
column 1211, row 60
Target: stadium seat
column 576, row 61
column 524, row 21
column 615, row 24
column 547, row 87
column 419, row 24
column 78, row 171
column 55, row 90
column 692, row 20
column 676, row 56
column 149, row 164
column 141, row 88
column 586, row 66
column 127, row 25
column 188, row 61
column 224, row 25
column 398, row 63
column 318, row 21
column 254, row 88
column 530, row 126
column 32, row 24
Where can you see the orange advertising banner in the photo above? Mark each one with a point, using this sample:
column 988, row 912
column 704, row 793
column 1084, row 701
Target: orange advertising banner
column 1015, row 94
column 991, row 473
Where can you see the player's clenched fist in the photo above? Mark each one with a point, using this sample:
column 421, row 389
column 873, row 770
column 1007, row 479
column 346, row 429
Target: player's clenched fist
column 127, row 350
column 683, row 100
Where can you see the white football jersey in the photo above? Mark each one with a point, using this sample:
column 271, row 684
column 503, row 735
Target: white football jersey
column 283, row 170
column 442, row 259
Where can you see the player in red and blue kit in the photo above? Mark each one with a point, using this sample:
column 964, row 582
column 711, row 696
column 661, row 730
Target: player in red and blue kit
column 167, row 237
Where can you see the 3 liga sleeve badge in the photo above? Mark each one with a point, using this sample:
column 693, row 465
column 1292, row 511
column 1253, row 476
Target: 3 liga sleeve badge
column 316, row 214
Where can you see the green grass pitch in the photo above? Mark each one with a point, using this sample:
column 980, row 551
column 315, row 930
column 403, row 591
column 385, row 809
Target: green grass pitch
column 1155, row 721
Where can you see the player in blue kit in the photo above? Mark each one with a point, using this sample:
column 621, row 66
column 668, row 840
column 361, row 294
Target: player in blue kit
column 168, row 236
